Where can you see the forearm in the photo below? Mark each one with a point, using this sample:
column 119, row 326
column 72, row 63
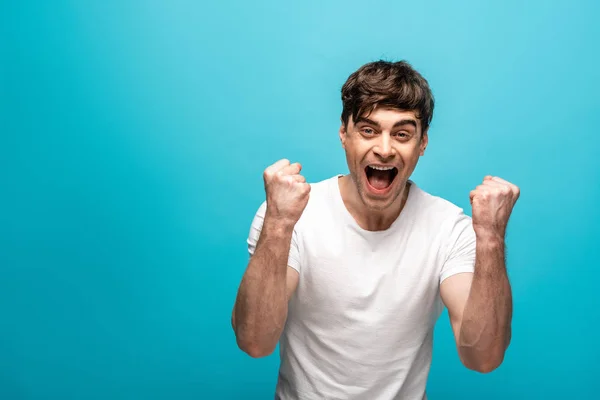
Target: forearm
column 261, row 305
column 486, row 324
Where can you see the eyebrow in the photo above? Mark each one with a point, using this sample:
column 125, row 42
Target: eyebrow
column 397, row 124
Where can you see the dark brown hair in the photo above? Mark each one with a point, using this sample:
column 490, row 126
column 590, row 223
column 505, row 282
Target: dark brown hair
column 390, row 84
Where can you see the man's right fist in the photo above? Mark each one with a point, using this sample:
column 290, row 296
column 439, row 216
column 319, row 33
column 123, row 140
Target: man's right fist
column 287, row 191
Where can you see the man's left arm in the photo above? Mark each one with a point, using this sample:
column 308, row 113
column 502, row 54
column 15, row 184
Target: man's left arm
column 480, row 303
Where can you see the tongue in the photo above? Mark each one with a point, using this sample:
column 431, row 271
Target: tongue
column 380, row 179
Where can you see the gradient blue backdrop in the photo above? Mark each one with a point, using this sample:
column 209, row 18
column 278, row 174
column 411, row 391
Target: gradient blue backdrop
column 134, row 136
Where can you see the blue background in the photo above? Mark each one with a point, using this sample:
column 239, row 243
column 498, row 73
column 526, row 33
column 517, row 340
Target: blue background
column 133, row 139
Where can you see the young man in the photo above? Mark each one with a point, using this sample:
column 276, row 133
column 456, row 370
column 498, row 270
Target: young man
column 350, row 274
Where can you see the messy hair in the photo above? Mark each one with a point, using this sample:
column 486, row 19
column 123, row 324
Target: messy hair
column 389, row 84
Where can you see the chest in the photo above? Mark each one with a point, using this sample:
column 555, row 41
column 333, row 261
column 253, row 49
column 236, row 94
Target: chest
column 381, row 280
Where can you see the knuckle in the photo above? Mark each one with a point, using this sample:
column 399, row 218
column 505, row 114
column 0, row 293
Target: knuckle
column 285, row 178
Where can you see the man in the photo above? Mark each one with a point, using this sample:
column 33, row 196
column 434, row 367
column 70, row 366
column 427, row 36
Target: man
column 349, row 275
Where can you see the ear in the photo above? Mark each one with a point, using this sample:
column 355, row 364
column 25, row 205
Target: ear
column 342, row 134
column 424, row 142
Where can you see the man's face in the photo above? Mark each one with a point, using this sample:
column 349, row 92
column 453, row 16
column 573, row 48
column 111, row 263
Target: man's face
column 382, row 150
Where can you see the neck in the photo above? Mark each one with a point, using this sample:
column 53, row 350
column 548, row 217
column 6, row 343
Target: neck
column 368, row 218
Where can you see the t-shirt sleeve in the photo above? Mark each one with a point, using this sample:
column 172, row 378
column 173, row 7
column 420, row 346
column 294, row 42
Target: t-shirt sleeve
column 461, row 248
column 255, row 229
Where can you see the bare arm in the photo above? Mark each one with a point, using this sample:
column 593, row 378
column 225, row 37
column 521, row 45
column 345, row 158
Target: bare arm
column 480, row 308
column 480, row 304
column 261, row 306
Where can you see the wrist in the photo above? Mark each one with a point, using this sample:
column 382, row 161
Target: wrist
column 489, row 238
column 277, row 225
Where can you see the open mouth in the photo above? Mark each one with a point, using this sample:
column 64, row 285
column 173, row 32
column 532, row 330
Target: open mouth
column 380, row 177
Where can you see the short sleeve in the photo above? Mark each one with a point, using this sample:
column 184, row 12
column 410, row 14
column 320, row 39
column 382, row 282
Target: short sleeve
column 255, row 229
column 461, row 248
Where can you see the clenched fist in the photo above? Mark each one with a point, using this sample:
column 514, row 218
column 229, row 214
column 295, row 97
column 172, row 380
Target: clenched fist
column 492, row 204
column 287, row 191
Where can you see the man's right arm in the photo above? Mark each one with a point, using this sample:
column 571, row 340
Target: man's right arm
column 261, row 306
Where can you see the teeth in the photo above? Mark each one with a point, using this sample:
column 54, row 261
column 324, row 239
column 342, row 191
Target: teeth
column 386, row 168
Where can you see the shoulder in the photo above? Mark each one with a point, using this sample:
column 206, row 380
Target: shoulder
column 321, row 201
column 321, row 192
column 436, row 209
column 443, row 221
column 322, row 189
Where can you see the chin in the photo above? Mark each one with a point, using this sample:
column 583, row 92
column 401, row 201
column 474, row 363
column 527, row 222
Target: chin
column 379, row 203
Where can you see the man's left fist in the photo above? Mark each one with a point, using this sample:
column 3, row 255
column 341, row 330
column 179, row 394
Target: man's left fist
column 492, row 203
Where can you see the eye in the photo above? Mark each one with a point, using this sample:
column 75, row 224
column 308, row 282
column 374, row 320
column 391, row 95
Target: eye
column 368, row 131
column 402, row 135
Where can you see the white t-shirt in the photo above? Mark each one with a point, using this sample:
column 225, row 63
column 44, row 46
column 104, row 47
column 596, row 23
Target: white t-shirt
column 360, row 324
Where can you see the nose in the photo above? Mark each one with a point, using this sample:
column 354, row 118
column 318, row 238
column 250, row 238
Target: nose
column 384, row 147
